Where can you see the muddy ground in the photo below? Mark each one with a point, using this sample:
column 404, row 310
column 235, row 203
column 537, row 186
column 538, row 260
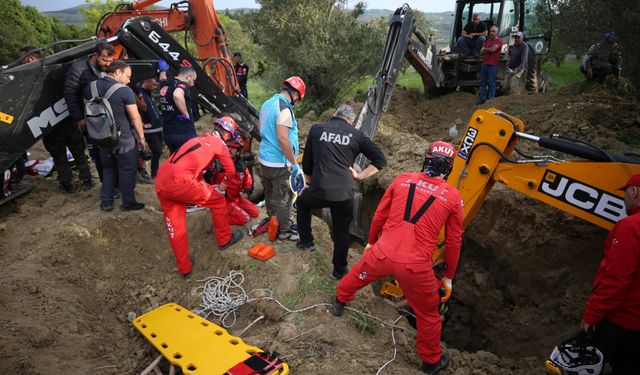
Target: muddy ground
column 75, row 276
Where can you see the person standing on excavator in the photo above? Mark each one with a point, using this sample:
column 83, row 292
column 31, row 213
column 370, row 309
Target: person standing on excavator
column 612, row 313
column 404, row 234
column 180, row 182
column 278, row 153
column 176, row 107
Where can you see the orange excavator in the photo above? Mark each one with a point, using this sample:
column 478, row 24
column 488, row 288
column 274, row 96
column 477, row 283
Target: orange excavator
column 198, row 19
column 31, row 99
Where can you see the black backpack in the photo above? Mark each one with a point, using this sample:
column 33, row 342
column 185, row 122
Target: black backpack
column 101, row 124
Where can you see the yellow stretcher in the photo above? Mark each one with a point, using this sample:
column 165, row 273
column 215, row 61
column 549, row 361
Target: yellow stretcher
column 197, row 345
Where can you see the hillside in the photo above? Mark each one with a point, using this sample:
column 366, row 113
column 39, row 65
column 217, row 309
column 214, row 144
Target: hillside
column 441, row 22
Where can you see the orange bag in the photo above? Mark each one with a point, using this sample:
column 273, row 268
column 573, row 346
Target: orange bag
column 272, row 230
column 262, row 251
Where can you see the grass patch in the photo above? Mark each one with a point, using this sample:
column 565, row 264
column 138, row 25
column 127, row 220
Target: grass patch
column 566, row 74
column 307, row 283
column 364, row 324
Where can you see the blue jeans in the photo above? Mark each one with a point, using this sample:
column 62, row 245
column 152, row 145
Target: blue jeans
column 471, row 45
column 487, row 76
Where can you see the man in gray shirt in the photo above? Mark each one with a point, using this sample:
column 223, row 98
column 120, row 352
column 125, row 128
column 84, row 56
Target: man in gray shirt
column 516, row 77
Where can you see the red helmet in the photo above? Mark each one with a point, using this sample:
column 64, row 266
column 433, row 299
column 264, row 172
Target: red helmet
column 441, row 149
column 298, row 84
column 227, row 128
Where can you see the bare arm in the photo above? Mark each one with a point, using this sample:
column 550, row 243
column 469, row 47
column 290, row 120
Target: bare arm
column 285, row 145
column 134, row 116
column 365, row 173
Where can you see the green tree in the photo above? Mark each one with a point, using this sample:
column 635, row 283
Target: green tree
column 22, row 26
column 95, row 9
column 319, row 41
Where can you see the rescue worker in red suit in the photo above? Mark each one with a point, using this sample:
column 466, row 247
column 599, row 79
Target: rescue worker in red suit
column 240, row 185
column 180, row 183
column 403, row 236
column 612, row 314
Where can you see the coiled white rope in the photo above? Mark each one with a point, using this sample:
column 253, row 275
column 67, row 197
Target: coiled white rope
column 223, row 296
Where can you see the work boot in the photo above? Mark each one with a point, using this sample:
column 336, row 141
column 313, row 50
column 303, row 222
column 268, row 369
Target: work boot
column 187, row 275
column 235, row 237
column 481, row 101
column 337, row 307
column 67, row 187
column 309, row 246
column 445, row 359
column 87, row 184
column 106, row 206
column 337, row 274
column 133, row 206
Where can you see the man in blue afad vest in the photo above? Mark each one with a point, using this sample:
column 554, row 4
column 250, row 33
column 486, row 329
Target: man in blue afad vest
column 278, row 153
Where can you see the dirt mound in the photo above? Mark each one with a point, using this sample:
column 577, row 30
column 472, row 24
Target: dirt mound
column 75, row 276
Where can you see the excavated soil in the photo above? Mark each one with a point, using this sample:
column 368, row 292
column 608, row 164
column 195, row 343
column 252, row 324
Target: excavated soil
column 74, row 277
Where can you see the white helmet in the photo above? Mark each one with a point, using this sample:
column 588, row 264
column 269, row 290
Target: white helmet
column 568, row 359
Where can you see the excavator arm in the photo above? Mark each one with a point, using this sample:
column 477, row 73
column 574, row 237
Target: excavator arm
column 198, row 19
column 584, row 185
column 31, row 95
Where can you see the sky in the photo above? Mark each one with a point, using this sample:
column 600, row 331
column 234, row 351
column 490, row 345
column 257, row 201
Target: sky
column 423, row 5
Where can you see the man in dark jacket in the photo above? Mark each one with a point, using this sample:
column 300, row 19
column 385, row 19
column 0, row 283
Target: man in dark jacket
column 151, row 121
column 330, row 151
column 613, row 309
column 79, row 75
column 242, row 72
column 176, row 107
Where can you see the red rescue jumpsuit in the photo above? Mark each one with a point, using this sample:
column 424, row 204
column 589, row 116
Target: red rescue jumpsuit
column 239, row 208
column 404, row 234
column 180, row 182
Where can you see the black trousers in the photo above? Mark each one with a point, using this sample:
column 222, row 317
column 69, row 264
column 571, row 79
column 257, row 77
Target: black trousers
column 341, row 216
column 62, row 136
column 119, row 169
column 620, row 347
column 156, row 144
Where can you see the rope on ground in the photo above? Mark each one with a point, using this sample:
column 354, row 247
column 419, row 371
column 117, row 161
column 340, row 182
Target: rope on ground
column 395, row 347
column 223, row 296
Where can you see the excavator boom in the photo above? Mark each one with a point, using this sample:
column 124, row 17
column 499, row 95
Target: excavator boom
column 31, row 95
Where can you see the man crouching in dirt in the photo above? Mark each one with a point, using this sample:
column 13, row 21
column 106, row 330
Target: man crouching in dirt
column 612, row 314
column 180, row 183
column 403, row 236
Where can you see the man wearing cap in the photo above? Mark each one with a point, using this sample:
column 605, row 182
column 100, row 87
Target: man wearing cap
column 242, row 72
column 603, row 59
column 515, row 78
column 404, row 234
column 612, row 313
